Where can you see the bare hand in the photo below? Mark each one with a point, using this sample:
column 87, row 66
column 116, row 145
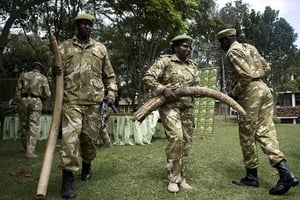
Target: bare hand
column 109, row 100
column 169, row 94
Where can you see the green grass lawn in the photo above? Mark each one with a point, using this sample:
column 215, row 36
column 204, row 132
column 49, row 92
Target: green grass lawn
column 138, row 172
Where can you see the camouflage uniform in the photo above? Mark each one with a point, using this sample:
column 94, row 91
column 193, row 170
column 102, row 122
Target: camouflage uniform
column 257, row 100
column 31, row 88
column 177, row 116
column 257, row 127
column 87, row 72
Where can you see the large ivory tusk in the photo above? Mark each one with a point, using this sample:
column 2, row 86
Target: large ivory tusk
column 54, row 128
column 155, row 102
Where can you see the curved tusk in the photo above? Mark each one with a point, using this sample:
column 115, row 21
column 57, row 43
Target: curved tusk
column 155, row 102
column 207, row 92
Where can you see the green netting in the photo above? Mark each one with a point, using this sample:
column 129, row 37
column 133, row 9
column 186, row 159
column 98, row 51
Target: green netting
column 205, row 107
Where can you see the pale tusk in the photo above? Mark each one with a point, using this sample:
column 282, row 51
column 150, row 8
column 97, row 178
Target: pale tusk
column 155, row 102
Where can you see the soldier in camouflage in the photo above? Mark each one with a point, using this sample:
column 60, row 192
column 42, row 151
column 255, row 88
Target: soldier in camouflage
column 32, row 89
column 247, row 68
column 166, row 74
column 87, row 74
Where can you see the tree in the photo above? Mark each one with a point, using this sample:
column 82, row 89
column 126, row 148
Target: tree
column 138, row 32
column 202, row 27
column 230, row 16
column 233, row 13
column 15, row 10
column 22, row 51
column 58, row 17
column 294, row 70
column 272, row 36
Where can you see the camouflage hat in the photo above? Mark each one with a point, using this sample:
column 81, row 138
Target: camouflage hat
column 225, row 33
column 85, row 16
column 38, row 64
column 182, row 37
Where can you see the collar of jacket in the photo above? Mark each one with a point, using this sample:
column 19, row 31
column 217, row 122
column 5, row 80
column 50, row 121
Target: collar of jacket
column 174, row 58
column 234, row 44
column 87, row 44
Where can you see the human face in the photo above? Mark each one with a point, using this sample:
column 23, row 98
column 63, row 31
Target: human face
column 183, row 50
column 224, row 43
column 84, row 29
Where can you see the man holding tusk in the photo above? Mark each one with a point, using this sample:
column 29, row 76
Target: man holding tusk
column 87, row 74
column 257, row 127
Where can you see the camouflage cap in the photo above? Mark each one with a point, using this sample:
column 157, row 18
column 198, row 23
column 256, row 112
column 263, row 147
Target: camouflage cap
column 225, row 33
column 182, row 37
column 85, row 16
column 38, row 64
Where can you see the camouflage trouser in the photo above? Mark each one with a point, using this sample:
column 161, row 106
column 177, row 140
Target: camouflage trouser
column 258, row 127
column 80, row 128
column 30, row 111
column 179, row 127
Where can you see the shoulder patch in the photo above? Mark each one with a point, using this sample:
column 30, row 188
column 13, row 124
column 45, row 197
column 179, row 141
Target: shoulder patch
column 192, row 62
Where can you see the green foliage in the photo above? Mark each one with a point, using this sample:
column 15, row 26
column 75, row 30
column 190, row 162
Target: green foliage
column 294, row 67
column 22, row 51
column 203, row 27
column 289, row 85
column 137, row 32
column 271, row 35
column 233, row 14
column 12, row 11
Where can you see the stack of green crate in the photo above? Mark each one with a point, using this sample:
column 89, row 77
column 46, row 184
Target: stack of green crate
column 205, row 107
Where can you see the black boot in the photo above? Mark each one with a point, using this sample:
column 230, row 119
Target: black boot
column 67, row 189
column 86, row 172
column 249, row 180
column 286, row 181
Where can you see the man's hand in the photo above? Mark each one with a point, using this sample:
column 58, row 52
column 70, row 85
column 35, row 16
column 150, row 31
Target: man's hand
column 169, row 94
column 56, row 70
column 109, row 100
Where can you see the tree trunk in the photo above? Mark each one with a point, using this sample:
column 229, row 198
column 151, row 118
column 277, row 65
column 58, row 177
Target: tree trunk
column 4, row 39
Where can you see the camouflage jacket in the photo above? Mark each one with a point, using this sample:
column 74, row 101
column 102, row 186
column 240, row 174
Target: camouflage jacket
column 87, row 72
column 169, row 71
column 246, row 64
column 32, row 83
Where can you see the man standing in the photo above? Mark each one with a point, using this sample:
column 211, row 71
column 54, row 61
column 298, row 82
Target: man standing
column 32, row 89
column 166, row 74
column 87, row 74
column 257, row 127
